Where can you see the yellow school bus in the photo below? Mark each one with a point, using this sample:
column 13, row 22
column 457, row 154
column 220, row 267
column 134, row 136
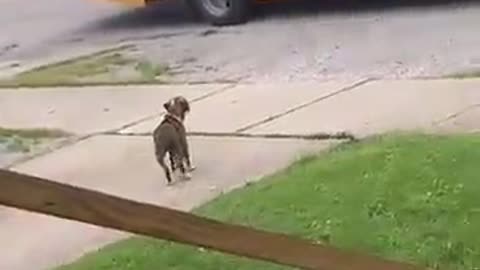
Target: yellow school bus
column 216, row 12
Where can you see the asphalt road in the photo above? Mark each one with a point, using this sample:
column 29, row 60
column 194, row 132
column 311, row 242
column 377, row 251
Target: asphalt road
column 294, row 40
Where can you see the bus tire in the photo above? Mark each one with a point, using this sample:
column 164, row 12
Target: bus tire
column 221, row 12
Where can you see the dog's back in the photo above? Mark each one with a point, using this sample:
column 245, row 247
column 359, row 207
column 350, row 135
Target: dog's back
column 163, row 136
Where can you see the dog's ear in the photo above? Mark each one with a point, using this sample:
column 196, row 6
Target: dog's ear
column 168, row 105
column 184, row 103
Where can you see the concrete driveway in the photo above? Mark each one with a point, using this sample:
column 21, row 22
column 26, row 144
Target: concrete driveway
column 126, row 167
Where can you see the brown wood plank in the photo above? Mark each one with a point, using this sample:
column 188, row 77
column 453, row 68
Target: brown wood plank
column 64, row 201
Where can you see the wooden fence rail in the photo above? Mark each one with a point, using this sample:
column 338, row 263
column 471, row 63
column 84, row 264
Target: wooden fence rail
column 64, row 201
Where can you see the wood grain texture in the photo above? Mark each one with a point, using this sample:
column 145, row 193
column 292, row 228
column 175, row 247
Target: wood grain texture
column 64, row 201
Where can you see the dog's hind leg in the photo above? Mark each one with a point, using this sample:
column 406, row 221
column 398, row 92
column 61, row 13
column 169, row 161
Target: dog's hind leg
column 161, row 161
column 180, row 166
column 179, row 158
column 173, row 164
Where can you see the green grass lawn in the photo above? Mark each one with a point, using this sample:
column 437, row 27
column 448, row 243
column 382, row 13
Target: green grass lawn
column 412, row 198
column 23, row 140
column 109, row 67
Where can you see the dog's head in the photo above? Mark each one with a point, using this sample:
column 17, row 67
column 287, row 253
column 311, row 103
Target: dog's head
column 177, row 106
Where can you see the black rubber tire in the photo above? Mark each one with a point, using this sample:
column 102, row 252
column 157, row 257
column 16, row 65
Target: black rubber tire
column 236, row 13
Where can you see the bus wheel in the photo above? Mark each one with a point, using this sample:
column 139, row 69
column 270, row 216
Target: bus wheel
column 222, row 12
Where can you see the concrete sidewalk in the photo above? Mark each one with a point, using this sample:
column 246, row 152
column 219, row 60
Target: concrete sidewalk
column 372, row 107
column 381, row 106
column 243, row 105
column 125, row 166
column 86, row 110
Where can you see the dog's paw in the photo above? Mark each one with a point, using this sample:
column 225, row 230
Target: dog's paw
column 191, row 168
column 179, row 176
column 187, row 176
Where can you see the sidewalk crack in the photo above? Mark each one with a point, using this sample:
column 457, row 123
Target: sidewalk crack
column 304, row 105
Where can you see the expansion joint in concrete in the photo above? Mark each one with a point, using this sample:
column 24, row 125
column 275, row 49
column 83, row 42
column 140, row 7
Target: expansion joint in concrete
column 305, row 105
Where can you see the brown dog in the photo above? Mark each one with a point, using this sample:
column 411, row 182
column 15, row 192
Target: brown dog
column 170, row 137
